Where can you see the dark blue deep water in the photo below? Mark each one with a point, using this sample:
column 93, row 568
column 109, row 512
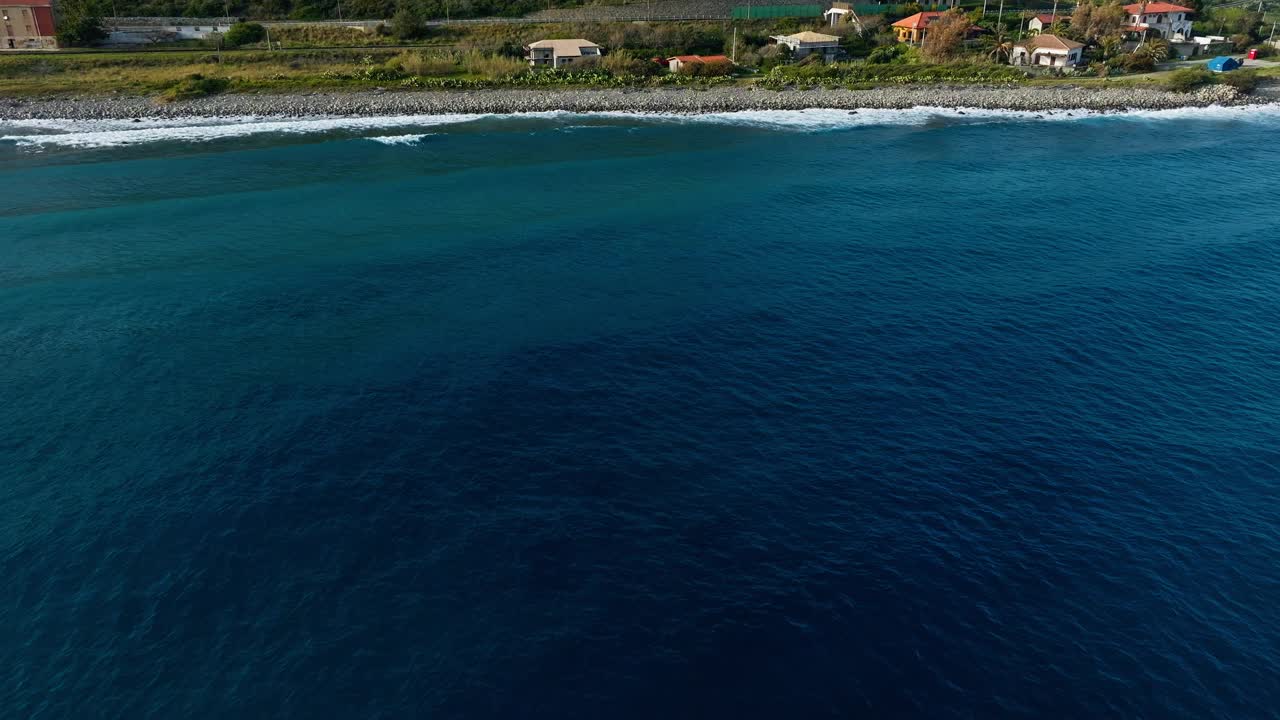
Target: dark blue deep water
column 808, row 415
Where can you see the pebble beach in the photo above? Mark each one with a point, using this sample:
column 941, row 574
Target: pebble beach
column 668, row 100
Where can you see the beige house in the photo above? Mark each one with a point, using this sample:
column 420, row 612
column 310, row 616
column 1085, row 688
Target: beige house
column 27, row 25
column 1047, row 51
column 559, row 53
column 807, row 43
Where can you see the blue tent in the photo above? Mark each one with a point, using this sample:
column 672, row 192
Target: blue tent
column 1223, row 63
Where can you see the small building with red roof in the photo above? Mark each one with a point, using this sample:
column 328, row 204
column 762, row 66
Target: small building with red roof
column 1159, row 20
column 1042, row 22
column 676, row 62
column 27, row 25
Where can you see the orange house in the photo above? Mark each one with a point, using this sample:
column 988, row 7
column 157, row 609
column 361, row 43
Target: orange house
column 912, row 29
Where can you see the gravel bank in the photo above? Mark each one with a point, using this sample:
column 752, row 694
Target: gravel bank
column 681, row 100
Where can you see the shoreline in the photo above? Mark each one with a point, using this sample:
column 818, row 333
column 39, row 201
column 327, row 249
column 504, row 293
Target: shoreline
column 370, row 103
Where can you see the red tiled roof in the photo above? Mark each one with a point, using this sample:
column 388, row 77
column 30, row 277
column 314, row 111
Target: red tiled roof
column 699, row 58
column 26, row 3
column 919, row 20
column 1155, row 8
column 1049, row 18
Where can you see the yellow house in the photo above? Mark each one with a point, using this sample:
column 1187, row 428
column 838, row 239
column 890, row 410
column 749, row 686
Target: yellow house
column 912, row 29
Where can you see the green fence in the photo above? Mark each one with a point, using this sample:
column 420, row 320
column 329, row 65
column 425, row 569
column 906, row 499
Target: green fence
column 755, row 12
column 752, row 12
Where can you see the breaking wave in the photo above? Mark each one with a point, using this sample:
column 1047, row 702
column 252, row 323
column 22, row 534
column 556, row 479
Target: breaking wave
column 117, row 133
column 399, row 139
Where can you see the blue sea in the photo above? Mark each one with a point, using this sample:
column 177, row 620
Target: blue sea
column 920, row 414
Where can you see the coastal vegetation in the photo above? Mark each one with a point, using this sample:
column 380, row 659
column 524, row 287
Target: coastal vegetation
column 407, row 53
column 861, row 75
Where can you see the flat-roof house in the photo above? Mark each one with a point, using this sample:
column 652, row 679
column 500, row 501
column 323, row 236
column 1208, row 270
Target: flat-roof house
column 559, row 53
column 1048, row 51
column 807, row 43
column 679, row 61
column 27, row 25
column 1042, row 22
column 839, row 12
column 1159, row 20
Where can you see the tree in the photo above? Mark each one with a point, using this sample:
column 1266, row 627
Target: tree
column 244, row 33
column 1093, row 22
column 1110, row 45
column 407, row 24
column 79, row 25
column 1157, row 50
column 945, row 36
column 1001, row 46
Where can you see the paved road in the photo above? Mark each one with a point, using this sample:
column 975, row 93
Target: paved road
column 1205, row 58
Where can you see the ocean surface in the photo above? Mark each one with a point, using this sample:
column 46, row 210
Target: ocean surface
column 768, row 415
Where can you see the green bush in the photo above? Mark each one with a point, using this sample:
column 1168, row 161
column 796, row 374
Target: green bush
column 1188, row 79
column 846, row 74
column 422, row 65
column 244, row 33
column 195, row 86
column 1246, row 81
column 407, row 24
column 889, row 54
column 1135, row 63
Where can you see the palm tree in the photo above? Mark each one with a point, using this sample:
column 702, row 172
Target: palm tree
column 1001, row 49
column 1157, row 50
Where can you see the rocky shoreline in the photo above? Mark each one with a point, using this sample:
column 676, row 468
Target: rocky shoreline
column 677, row 100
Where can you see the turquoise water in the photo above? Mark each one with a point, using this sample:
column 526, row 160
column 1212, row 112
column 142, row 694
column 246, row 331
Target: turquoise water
column 807, row 414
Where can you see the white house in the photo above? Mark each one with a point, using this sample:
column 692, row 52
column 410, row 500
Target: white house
column 559, row 53
column 1048, row 51
column 1042, row 23
column 839, row 12
column 1159, row 20
column 147, row 30
column 807, row 43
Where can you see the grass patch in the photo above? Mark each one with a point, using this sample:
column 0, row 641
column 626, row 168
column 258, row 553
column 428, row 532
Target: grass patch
column 195, row 86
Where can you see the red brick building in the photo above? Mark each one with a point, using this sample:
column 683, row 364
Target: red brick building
column 27, row 25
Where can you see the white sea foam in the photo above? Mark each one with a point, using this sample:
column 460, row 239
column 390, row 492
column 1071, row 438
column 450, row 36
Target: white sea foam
column 399, row 139
column 818, row 119
column 115, row 133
